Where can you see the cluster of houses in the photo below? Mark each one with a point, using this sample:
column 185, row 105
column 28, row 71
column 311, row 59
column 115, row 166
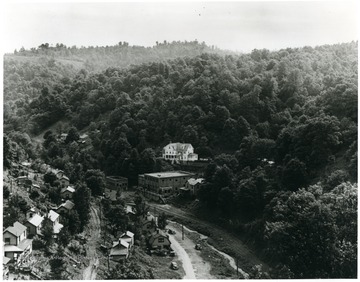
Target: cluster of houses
column 156, row 239
column 17, row 239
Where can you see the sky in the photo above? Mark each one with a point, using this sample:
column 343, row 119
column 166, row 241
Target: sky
column 237, row 25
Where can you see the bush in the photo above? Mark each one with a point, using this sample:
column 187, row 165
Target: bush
column 34, row 194
column 38, row 243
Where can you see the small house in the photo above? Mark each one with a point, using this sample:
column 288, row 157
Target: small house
column 149, row 223
column 193, row 185
column 31, row 212
column 68, row 192
column 17, row 247
column 159, row 240
column 64, row 181
column 65, row 207
column 34, row 224
column 119, row 250
column 128, row 237
column 54, row 217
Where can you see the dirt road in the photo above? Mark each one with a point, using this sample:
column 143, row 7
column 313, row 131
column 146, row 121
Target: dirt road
column 194, row 266
column 236, row 244
column 89, row 273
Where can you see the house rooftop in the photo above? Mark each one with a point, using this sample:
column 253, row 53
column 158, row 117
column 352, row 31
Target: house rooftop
column 120, row 243
column 168, row 174
column 68, row 205
column 36, row 220
column 17, row 229
column 53, row 215
column 193, row 181
column 6, row 260
column 128, row 234
column 65, row 177
column 25, row 243
column 69, row 188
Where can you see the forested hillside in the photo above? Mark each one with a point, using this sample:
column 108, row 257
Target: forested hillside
column 281, row 128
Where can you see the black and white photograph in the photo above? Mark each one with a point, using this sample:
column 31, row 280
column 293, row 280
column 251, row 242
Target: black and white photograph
column 179, row 140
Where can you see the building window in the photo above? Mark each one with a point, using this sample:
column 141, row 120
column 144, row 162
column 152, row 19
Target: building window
column 161, row 240
column 7, row 241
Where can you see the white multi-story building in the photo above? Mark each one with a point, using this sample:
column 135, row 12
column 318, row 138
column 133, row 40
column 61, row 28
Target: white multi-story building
column 179, row 152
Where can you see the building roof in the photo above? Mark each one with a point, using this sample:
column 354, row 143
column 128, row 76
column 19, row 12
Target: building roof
column 120, row 244
column 179, row 147
column 17, row 229
column 24, row 244
column 36, row 220
column 32, row 209
column 22, row 177
column 118, row 252
column 116, row 178
column 36, row 185
column 169, row 174
column 69, row 188
column 57, row 227
column 193, row 181
column 67, row 205
column 53, row 215
column 127, row 234
column 65, row 177
column 158, row 233
column 12, row 248
column 6, row 260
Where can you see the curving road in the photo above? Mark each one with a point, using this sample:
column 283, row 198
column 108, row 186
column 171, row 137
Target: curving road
column 89, row 273
column 236, row 244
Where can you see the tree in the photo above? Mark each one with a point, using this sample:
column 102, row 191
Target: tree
column 58, row 264
column 294, row 175
column 50, row 178
column 82, row 203
column 47, row 231
column 162, row 221
column 95, row 180
column 316, row 225
column 73, row 135
column 64, row 236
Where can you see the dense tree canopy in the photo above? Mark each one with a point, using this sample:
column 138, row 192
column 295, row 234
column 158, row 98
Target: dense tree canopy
column 279, row 126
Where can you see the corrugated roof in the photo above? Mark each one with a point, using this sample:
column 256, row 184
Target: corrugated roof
column 36, row 220
column 17, row 229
